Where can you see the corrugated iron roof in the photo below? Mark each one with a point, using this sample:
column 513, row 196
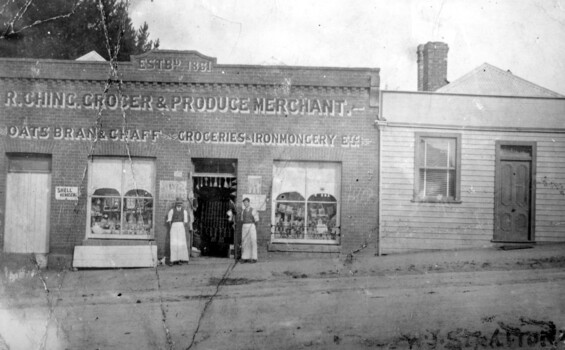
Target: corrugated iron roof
column 490, row 80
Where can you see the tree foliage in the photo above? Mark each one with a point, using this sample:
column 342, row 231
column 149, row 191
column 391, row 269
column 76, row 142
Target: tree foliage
column 68, row 29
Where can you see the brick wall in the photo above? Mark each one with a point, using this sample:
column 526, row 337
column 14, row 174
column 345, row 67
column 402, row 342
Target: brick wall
column 432, row 66
column 69, row 157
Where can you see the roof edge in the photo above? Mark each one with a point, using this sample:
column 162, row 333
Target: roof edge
column 471, row 95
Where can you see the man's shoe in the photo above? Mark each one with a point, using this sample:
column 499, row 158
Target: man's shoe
column 244, row 261
column 253, row 261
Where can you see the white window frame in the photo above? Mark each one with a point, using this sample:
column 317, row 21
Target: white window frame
column 126, row 162
column 419, row 188
column 308, row 192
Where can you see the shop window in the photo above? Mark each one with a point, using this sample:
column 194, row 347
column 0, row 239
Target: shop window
column 306, row 202
column 438, row 170
column 120, row 198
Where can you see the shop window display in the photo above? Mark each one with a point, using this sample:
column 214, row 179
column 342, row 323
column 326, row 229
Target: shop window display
column 306, row 202
column 322, row 210
column 289, row 216
column 118, row 209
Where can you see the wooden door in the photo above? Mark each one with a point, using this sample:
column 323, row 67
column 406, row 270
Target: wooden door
column 513, row 202
column 27, row 210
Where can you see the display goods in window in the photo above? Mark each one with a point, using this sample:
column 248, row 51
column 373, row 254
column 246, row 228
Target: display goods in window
column 121, row 200
column 306, row 207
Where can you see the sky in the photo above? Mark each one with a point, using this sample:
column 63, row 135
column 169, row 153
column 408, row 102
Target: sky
column 526, row 37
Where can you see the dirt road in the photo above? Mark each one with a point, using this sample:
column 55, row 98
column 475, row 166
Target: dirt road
column 432, row 311
column 215, row 305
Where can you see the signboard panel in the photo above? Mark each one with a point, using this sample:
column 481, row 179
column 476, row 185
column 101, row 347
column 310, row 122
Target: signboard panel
column 170, row 190
column 68, row 193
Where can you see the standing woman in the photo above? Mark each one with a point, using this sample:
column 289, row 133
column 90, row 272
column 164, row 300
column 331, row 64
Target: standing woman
column 177, row 220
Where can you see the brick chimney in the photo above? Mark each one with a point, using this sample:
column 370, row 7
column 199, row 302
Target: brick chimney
column 432, row 66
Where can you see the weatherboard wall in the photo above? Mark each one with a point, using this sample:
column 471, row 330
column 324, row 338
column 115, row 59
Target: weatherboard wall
column 410, row 225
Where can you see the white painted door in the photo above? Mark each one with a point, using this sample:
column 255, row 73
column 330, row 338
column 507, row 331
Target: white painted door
column 27, row 213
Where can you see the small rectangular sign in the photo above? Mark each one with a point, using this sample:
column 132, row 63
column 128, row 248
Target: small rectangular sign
column 66, row 193
column 170, row 190
column 254, row 184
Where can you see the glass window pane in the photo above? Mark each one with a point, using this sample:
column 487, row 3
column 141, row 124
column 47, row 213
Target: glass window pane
column 138, row 215
column 452, row 147
column 290, row 196
column 322, row 178
column 105, row 215
column 289, row 220
column 436, row 153
column 452, row 184
column 437, row 168
column 289, row 177
column 105, row 173
column 322, row 210
column 422, row 153
column 516, row 151
column 138, row 193
column 112, row 213
column 139, row 174
column 106, row 192
column 321, row 197
column 297, row 217
column 434, row 183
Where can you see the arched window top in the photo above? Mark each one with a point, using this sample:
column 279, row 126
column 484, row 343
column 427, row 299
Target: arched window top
column 290, row 196
column 322, row 197
column 138, row 193
column 107, row 192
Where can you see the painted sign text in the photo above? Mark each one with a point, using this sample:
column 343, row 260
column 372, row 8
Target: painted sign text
column 187, row 136
column 180, row 103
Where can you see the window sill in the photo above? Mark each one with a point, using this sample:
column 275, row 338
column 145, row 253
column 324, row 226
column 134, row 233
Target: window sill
column 303, row 247
column 437, row 201
column 132, row 237
column 304, row 241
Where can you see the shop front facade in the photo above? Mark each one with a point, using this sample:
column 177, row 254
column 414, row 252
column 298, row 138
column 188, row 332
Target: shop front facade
column 96, row 156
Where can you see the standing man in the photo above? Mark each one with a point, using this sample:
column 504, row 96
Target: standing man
column 249, row 217
column 177, row 220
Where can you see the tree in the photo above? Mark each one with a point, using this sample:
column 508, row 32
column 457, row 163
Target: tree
column 63, row 29
column 142, row 44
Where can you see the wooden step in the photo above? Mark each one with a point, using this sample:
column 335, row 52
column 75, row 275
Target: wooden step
column 115, row 256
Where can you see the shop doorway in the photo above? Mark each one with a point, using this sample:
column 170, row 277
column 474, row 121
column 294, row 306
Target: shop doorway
column 215, row 189
column 514, row 192
column 28, row 188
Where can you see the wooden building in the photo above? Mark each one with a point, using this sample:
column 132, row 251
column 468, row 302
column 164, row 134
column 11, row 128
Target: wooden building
column 476, row 162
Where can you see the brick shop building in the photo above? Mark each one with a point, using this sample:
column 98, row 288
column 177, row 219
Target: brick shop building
column 95, row 156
